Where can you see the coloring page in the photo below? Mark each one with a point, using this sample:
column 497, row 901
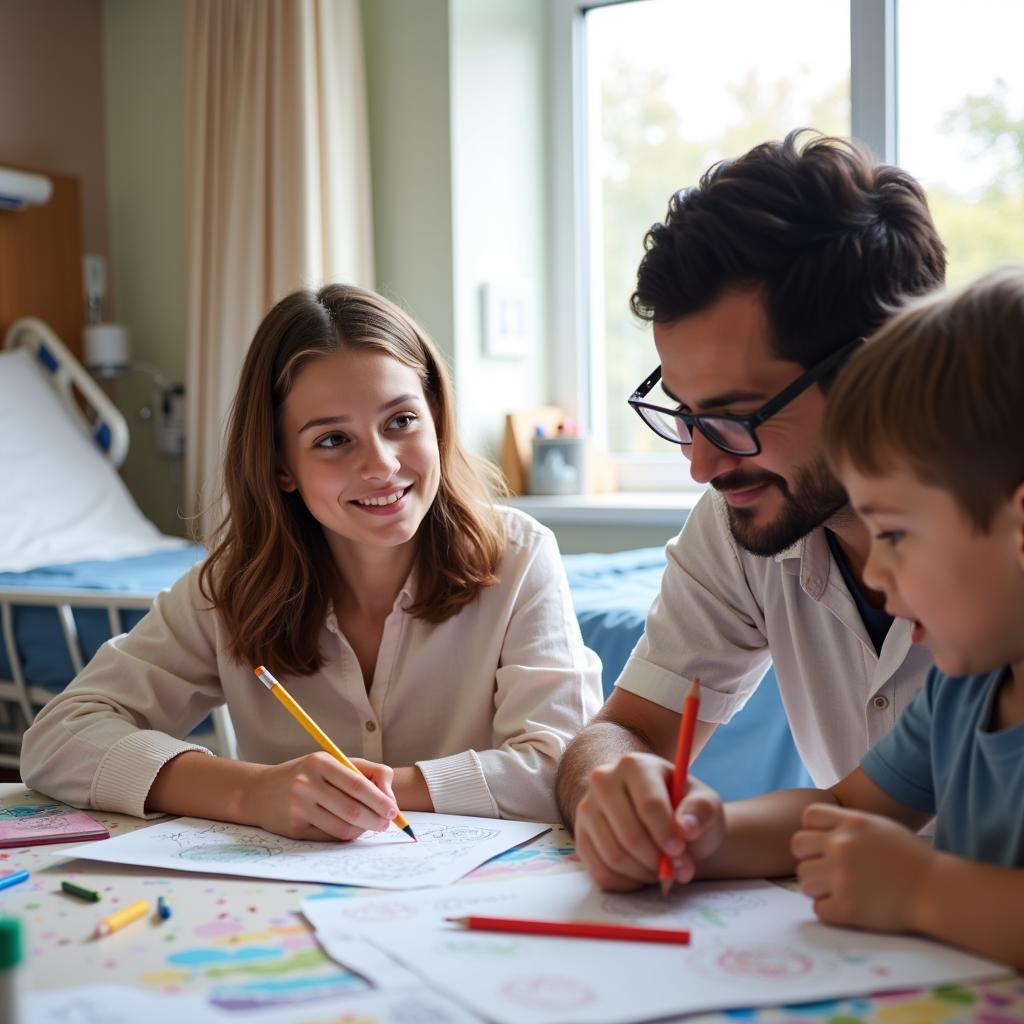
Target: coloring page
column 752, row 943
column 448, row 847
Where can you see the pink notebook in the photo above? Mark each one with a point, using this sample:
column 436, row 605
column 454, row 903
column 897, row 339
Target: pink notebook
column 38, row 824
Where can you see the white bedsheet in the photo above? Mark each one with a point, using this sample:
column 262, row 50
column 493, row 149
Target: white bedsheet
column 60, row 500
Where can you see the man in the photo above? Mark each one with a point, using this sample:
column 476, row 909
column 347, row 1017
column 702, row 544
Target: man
column 762, row 280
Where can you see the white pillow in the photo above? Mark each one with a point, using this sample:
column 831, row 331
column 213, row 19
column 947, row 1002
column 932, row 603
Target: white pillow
column 60, row 500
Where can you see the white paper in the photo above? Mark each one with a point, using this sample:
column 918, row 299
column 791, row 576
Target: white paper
column 752, row 944
column 449, row 847
column 119, row 1004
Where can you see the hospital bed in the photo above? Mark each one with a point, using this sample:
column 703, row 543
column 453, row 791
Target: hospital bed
column 79, row 563
column 78, row 560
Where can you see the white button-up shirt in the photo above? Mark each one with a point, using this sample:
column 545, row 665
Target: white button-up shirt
column 484, row 703
column 724, row 615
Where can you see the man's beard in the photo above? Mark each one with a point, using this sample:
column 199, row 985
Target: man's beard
column 816, row 496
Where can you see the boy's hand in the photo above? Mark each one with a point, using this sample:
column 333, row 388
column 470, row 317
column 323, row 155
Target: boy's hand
column 861, row 869
column 625, row 821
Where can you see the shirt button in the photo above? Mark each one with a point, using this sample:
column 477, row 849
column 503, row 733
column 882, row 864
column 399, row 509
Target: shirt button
column 881, row 702
column 371, row 726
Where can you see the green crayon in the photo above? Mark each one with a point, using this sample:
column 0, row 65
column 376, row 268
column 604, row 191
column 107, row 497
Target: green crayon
column 80, row 892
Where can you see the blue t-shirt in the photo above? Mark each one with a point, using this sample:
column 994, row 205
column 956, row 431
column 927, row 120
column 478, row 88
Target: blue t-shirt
column 942, row 758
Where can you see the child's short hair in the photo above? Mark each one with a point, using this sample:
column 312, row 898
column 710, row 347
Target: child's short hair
column 940, row 389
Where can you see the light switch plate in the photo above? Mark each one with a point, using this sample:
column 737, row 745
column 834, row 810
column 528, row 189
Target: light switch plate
column 507, row 308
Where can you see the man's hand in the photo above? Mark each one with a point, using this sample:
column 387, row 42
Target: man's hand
column 625, row 822
column 861, row 869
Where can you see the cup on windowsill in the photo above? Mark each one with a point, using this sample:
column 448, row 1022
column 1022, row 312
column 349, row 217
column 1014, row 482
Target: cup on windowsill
column 559, row 465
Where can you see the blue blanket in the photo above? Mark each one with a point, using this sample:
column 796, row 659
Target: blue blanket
column 44, row 656
column 611, row 592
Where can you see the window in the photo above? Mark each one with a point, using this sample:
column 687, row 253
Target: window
column 961, row 124
column 671, row 88
column 660, row 89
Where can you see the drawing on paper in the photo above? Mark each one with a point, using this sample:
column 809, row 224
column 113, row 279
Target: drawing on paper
column 21, row 811
column 759, row 963
column 548, row 992
column 481, row 946
column 224, row 852
column 379, row 911
column 456, row 834
column 462, row 902
column 684, row 906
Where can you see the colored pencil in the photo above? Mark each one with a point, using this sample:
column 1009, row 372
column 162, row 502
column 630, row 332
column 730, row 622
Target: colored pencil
column 80, row 891
column 684, row 747
column 314, row 730
column 13, row 879
column 112, row 922
column 574, row 929
column 163, row 908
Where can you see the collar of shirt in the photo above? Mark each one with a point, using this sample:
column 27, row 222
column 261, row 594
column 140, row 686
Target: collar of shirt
column 808, row 558
column 405, row 596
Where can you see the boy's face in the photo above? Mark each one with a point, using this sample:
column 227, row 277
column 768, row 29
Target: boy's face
column 963, row 588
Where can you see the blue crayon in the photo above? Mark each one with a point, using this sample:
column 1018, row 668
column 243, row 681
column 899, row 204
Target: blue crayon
column 13, row 879
column 163, row 908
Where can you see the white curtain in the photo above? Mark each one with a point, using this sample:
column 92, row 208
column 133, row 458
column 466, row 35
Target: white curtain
column 277, row 187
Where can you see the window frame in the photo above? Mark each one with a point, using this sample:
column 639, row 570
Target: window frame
column 575, row 368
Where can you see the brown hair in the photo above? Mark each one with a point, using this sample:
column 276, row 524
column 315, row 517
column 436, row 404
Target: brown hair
column 940, row 388
column 833, row 239
column 270, row 573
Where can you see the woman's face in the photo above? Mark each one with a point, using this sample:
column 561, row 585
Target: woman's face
column 358, row 442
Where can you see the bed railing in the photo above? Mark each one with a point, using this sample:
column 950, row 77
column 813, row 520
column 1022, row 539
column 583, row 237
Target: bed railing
column 20, row 700
column 86, row 403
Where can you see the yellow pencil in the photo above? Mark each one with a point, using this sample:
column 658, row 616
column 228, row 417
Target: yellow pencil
column 267, row 679
column 120, row 918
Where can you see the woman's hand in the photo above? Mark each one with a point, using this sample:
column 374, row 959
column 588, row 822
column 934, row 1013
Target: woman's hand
column 861, row 869
column 317, row 797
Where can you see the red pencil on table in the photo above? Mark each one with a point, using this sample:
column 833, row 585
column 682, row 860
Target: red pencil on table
column 574, row 929
column 684, row 746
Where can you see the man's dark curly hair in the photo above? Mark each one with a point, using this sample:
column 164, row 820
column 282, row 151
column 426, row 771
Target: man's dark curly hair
column 834, row 240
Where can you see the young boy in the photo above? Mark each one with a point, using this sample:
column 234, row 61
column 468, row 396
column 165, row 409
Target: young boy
column 925, row 428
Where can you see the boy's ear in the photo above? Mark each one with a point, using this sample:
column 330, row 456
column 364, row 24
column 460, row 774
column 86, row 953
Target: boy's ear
column 285, row 480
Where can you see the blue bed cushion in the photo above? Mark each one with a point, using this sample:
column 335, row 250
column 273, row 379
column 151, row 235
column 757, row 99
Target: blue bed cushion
column 754, row 753
column 44, row 656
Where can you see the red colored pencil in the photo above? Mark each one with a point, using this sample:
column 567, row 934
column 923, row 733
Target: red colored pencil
column 684, row 746
column 574, row 929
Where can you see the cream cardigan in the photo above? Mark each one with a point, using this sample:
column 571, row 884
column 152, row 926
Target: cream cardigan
column 484, row 703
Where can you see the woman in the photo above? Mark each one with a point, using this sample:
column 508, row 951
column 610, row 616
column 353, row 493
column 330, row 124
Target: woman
column 362, row 561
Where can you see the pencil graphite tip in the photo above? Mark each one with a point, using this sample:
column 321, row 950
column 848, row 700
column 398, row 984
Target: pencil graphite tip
column 666, row 886
column 409, row 832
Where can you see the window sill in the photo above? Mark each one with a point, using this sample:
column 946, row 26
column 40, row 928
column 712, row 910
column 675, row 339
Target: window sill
column 625, row 508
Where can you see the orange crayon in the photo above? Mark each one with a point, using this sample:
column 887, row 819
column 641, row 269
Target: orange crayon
column 684, row 747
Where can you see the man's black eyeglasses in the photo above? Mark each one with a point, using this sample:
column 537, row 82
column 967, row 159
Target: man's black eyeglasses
column 732, row 433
